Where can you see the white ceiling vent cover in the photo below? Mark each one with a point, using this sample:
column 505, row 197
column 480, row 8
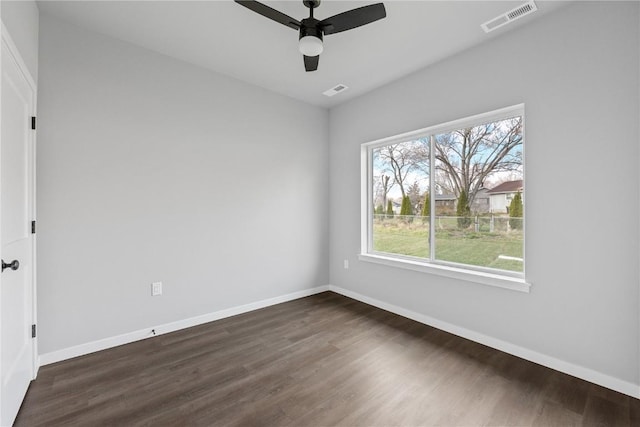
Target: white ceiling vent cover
column 334, row 90
column 510, row 16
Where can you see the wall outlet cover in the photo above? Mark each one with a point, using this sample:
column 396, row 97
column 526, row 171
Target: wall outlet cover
column 156, row 289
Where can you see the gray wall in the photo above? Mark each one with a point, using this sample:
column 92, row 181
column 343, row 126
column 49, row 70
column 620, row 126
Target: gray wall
column 21, row 20
column 150, row 169
column 577, row 72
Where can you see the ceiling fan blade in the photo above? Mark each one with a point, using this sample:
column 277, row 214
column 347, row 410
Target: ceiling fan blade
column 311, row 62
column 270, row 13
column 352, row 19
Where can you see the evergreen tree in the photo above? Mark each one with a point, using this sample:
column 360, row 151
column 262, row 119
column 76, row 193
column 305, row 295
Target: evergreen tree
column 405, row 208
column 426, row 208
column 379, row 210
column 389, row 209
column 463, row 211
column 515, row 212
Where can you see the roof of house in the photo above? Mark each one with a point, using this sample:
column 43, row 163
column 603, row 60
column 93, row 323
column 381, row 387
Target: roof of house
column 446, row 197
column 507, row 187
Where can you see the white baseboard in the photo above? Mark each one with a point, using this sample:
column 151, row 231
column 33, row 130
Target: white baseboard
column 103, row 344
column 581, row 372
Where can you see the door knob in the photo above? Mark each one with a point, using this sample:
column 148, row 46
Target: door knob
column 12, row 265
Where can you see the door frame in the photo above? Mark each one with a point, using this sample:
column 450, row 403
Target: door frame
column 7, row 41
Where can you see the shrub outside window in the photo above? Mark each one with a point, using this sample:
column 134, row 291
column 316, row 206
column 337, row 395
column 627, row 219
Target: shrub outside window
column 451, row 195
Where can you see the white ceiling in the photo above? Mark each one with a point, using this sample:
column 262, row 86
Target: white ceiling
column 230, row 39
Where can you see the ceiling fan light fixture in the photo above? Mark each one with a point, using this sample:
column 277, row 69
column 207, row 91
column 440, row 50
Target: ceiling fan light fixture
column 312, row 30
column 310, row 46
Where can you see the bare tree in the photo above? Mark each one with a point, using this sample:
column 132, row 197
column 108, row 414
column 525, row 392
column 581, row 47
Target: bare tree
column 382, row 185
column 402, row 159
column 415, row 195
column 467, row 157
column 384, row 181
column 444, row 183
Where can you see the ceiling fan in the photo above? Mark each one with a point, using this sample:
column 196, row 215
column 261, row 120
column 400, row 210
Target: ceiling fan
column 312, row 30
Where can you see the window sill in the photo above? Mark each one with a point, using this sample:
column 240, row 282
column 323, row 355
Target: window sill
column 513, row 283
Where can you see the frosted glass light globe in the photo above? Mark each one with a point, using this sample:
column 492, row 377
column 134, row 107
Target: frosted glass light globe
column 310, row 46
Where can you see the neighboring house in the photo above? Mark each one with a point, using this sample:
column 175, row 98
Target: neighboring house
column 500, row 196
column 446, row 204
column 397, row 207
column 481, row 203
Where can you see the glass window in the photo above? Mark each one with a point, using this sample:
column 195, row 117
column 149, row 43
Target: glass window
column 452, row 194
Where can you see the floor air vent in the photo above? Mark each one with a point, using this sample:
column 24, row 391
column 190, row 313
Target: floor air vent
column 510, row 16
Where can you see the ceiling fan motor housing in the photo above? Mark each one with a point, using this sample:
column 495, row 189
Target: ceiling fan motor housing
column 309, row 27
column 311, row 4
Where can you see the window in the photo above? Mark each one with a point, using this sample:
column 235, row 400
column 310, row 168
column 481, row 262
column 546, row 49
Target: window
column 449, row 199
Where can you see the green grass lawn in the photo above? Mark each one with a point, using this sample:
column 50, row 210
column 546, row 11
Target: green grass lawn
column 461, row 246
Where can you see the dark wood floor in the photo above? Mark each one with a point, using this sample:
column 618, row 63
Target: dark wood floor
column 318, row 361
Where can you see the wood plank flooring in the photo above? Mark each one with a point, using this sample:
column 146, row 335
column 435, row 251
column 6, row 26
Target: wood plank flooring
column 323, row 360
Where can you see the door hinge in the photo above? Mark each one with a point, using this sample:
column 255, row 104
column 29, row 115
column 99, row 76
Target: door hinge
column 33, row 227
column 33, row 331
column 33, row 123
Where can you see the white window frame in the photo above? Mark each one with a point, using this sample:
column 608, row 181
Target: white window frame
column 500, row 278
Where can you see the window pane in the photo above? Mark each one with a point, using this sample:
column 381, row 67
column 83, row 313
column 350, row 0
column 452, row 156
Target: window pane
column 400, row 188
column 479, row 195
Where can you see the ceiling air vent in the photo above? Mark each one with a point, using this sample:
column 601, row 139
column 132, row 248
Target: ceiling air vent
column 334, row 90
column 510, row 16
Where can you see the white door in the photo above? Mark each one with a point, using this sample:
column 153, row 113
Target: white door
column 17, row 357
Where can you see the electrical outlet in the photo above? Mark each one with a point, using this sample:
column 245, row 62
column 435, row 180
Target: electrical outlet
column 346, row 264
column 156, row 289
